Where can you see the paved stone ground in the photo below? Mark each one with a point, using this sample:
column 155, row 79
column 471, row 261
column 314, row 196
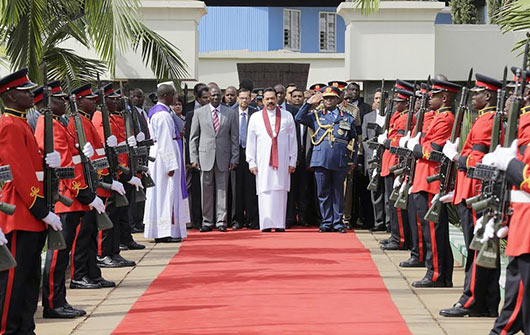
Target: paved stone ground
column 419, row 307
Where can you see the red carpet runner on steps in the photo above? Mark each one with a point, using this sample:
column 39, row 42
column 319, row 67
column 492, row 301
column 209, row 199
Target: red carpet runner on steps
column 248, row 282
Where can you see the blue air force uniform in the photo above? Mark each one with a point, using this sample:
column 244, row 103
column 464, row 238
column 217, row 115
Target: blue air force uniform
column 333, row 130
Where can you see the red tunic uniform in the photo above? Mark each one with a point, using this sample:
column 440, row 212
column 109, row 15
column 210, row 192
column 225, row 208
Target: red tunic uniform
column 476, row 146
column 436, row 135
column 19, row 149
column 396, row 131
column 64, row 144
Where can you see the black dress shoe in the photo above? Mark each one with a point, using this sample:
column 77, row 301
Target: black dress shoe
column 135, row 246
column 136, row 230
column 84, row 283
column 324, row 230
column 80, row 312
column 108, row 262
column 379, row 227
column 236, row 225
column 412, row 263
column 123, row 247
column 457, row 311
column 426, row 282
column 386, row 240
column 205, row 229
column 392, row 246
column 222, row 228
column 124, row 262
column 103, row 282
column 59, row 313
column 341, row 230
column 279, row 230
column 161, row 239
column 266, row 230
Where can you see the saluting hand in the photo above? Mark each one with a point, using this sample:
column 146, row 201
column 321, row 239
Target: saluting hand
column 315, row 99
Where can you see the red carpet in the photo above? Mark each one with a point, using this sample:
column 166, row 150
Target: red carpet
column 248, row 282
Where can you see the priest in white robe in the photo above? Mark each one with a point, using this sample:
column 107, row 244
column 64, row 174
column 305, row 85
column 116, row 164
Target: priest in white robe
column 166, row 207
column 271, row 155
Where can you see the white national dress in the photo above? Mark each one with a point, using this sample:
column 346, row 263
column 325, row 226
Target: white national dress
column 166, row 211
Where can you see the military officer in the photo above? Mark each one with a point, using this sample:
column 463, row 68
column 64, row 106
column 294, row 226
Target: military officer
column 333, row 130
column 481, row 294
column 25, row 230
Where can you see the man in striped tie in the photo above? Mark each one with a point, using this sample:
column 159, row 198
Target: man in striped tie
column 214, row 150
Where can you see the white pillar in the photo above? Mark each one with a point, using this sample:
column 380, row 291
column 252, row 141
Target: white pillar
column 176, row 21
column 398, row 41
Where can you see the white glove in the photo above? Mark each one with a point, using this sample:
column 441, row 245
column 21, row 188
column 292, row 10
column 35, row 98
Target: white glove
column 397, row 182
column 448, row 197
column 488, row 231
column 374, row 173
column 403, row 141
column 135, row 181
column 53, row 159
column 132, row 141
column 88, row 151
column 118, row 187
column 502, row 232
column 53, row 220
column 413, row 141
column 501, row 157
column 112, row 141
column 382, row 138
column 3, row 239
column 98, row 205
column 435, row 198
column 478, row 225
column 140, row 137
column 450, row 149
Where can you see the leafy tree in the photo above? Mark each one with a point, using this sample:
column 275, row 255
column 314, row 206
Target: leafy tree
column 33, row 32
column 463, row 12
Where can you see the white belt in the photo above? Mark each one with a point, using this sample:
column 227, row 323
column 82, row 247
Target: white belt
column 518, row 196
column 76, row 159
column 39, row 175
column 100, row 151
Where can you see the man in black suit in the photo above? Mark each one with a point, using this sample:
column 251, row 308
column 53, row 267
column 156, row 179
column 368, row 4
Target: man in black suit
column 244, row 211
column 292, row 196
column 193, row 176
column 194, row 104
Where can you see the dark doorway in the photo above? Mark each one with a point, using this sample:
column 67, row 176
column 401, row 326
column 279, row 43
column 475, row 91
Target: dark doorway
column 269, row 74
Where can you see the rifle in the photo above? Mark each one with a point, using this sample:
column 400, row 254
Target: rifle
column 497, row 198
column 134, row 164
column 143, row 150
column 375, row 163
column 90, row 168
column 6, row 258
column 52, row 175
column 447, row 167
column 110, row 152
column 408, row 156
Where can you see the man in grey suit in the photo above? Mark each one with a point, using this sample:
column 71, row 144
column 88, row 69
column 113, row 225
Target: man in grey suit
column 214, row 150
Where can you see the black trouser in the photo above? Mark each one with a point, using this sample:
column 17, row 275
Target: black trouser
column 109, row 240
column 292, row 199
column 378, row 202
column 53, row 281
column 124, row 219
column 360, row 191
column 193, row 182
column 309, row 206
column 510, row 319
column 523, row 263
column 417, row 249
column 136, row 211
column 481, row 285
column 86, row 249
column 388, row 182
column 399, row 222
column 19, row 286
column 438, row 255
column 244, row 200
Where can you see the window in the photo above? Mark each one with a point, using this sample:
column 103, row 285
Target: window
column 291, row 29
column 327, row 31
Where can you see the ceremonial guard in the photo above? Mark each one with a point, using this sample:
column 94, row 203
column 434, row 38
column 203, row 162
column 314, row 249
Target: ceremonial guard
column 333, row 130
column 438, row 257
column 53, row 284
column 400, row 232
column 481, row 294
column 25, row 229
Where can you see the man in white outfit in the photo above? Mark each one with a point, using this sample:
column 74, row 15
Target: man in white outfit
column 166, row 207
column 271, row 155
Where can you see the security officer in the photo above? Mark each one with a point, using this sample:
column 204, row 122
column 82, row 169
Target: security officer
column 333, row 130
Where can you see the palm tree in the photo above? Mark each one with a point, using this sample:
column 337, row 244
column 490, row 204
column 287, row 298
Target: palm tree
column 32, row 33
column 514, row 16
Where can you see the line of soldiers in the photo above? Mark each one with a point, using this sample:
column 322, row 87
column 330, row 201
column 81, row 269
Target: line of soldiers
column 72, row 182
column 422, row 170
